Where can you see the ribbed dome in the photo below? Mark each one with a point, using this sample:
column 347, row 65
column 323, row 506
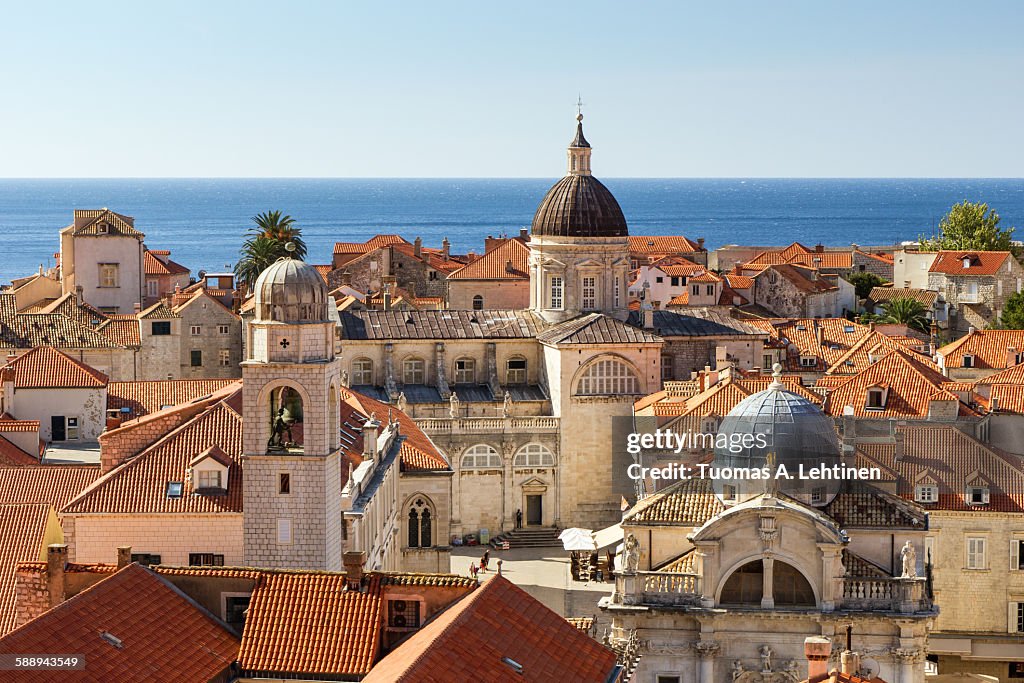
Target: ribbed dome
column 579, row 206
column 291, row 291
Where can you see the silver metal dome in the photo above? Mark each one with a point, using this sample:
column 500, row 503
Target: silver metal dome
column 291, row 291
column 785, row 429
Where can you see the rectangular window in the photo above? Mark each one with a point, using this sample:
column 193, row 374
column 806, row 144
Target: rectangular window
column 224, row 357
column 108, row 275
column 465, row 371
column 1020, row 616
column 589, row 300
column 556, row 292
column 666, row 368
column 362, row 371
column 284, row 531
column 205, row 560
column 160, row 328
column 817, row 495
column 977, row 495
column 223, row 329
column 153, row 288
column 668, row 678
column 695, row 289
column 414, row 371
column 196, row 358
column 968, row 361
column 675, row 281
column 146, row 558
column 926, row 493
column 711, row 290
column 618, row 286
column 235, row 607
column 71, row 429
column 767, row 361
column 196, row 330
column 209, row 479
column 1016, row 556
column 977, row 552
column 659, row 279
column 284, row 483
column 808, row 361
column 515, row 371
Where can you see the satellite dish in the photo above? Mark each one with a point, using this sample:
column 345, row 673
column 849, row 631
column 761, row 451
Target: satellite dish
column 869, row 668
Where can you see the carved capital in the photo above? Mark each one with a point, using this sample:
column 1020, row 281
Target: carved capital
column 707, row 648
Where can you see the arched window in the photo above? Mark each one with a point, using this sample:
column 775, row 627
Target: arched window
column 790, row 588
column 465, row 371
column 420, row 531
column 414, row 371
column 608, row 378
column 515, row 370
column 745, row 586
column 481, row 456
column 534, row 455
column 478, row 303
column 362, row 371
column 285, row 420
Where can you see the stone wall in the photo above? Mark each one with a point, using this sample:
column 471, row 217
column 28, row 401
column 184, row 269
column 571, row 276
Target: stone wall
column 497, row 294
column 209, row 316
column 172, row 536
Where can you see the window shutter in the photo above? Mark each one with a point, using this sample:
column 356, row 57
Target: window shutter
column 1011, row 617
column 1014, row 554
column 984, row 495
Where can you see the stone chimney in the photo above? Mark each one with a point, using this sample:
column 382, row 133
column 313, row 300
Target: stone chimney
column 819, row 248
column 56, row 561
column 898, row 452
column 417, row 247
column 446, row 248
column 346, row 278
column 524, row 235
column 124, row 556
column 700, row 242
column 354, row 561
column 817, row 332
column 817, row 650
column 850, row 662
column 972, row 329
column 80, row 294
column 371, row 428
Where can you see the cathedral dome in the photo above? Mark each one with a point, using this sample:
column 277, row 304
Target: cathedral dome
column 777, row 427
column 291, row 291
column 579, row 205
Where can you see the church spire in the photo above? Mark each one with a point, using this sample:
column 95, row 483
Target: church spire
column 579, row 148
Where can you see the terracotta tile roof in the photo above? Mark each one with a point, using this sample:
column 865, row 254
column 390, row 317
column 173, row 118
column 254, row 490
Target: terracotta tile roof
column 139, row 485
column 739, row 281
column 131, row 626
column 88, row 221
column 52, row 328
column 873, row 346
column 46, row 367
column 311, row 623
column 596, row 328
column 690, row 502
column 883, row 294
column 149, row 396
column 510, row 260
column 1011, row 375
column 680, row 300
column 951, row 460
column 803, row 279
column 432, row 258
column 12, row 455
column 9, row 423
column 683, row 564
column 718, row 399
column 706, row 276
column 685, row 269
column 859, row 505
column 979, row 262
column 418, row 452
column 159, row 311
column 910, row 383
column 79, row 311
column 422, row 579
column 23, row 529
column 123, row 332
column 471, row 639
column 54, row 485
column 1009, row 397
column 324, row 270
column 990, row 349
column 154, row 265
column 859, row 567
column 661, row 244
column 439, row 325
column 797, row 253
column 837, row 337
column 38, row 307
column 371, row 244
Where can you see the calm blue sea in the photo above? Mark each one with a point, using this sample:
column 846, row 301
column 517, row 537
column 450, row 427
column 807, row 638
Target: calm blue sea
column 202, row 220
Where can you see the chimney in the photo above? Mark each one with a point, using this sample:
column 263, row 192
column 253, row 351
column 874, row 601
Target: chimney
column 972, row 329
column 79, row 294
column 354, row 561
column 817, row 650
column 993, row 405
column 700, row 242
column 417, row 247
column 871, row 326
column 136, row 308
column 124, row 556
column 1011, row 356
column 817, row 332
column 819, row 248
column 56, row 561
column 524, row 235
column 850, row 660
column 898, row 451
column 445, row 248
column 648, row 313
column 370, row 430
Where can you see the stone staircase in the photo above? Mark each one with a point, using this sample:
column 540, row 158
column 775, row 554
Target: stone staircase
column 529, row 537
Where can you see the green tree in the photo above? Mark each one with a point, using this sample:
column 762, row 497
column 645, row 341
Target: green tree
column 267, row 242
column 970, row 226
column 864, row 283
column 906, row 311
column 1012, row 317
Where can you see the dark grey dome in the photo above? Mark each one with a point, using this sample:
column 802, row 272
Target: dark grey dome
column 579, row 206
column 784, row 428
column 290, row 291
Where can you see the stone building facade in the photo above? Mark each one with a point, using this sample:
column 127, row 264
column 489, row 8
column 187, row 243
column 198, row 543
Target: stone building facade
column 102, row 253
column 975, row 285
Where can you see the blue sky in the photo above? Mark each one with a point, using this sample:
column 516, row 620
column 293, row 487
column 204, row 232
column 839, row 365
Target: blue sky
column 730, row 89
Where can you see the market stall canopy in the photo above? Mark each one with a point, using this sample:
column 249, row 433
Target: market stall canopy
column 577, row 539
column 609, row 536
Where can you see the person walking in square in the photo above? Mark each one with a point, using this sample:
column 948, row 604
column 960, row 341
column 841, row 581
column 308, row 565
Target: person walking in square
column 519, row 519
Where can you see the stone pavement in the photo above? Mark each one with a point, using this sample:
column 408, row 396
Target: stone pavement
column 544, row 574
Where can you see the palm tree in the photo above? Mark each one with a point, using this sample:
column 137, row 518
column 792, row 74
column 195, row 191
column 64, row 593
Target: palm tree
column 906, row 311
column 281, row 228
column 266, row 243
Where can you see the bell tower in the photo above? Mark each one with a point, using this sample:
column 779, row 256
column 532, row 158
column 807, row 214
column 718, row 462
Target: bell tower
column 291, row 383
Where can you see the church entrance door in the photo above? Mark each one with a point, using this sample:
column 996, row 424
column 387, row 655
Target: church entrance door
column 534, row 510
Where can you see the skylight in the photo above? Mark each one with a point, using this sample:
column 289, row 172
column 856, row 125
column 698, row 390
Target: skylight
column 174, row 489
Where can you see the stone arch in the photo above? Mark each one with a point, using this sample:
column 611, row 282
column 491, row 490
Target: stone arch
column 264, row 425
column 480, row 456
column 586, row 370
column 779, row 559
column 534, row 451
column 419, row 521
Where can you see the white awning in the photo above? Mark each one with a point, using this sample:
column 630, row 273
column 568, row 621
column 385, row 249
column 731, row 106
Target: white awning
column 610, row 536
column 577, row 539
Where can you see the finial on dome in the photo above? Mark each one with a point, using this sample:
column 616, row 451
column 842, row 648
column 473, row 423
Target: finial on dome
column 290, row 247
column 777, row 376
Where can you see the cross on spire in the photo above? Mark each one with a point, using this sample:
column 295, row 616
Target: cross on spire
column 579, row 107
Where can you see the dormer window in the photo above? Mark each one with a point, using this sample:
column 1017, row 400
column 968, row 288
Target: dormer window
column 977, row 495
column 729, row 493
column 968, row 360
column 875, row 399
column 926, row 493
column 210, row 471
column 104, row 228
column 967, row 261
column 808, row 361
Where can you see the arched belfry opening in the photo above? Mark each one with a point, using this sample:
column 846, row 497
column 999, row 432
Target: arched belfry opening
column 286, row 426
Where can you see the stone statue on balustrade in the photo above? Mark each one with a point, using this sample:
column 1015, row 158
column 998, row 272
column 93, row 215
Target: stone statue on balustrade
column 909, row 557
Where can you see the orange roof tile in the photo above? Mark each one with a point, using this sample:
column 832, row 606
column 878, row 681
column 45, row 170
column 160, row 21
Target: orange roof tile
column 1011, row 375
column 311, row 623
column 46, row 367
column 680, row 300
column 131, row 626
column 804, row 279
column 149, row 396
column 472, row 639
column 124, row 332
column 870, row 348
column 1009, row 397
column 418, row 452
column 432, row 258
column 739, row 281
column 689, row 502
column 978, row 262
column 23, row 529
column 661, row 244
column 12, row 455
column 54, row 485
column 510, row 260
column 990, row 348
column 161, row 266
column 375, row 242
column 837, row 336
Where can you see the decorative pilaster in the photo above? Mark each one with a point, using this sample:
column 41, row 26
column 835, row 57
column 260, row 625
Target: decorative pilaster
column 442, row 379
column 707, row 651
column 908, row 658
column 490, row 351
column 389, row 371
column 767, row 582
